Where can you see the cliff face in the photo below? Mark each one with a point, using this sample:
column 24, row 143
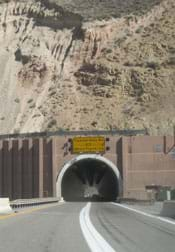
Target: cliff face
column 69, row 67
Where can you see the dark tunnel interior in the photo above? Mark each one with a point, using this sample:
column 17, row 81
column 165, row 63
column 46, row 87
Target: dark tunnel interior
column 90, row 180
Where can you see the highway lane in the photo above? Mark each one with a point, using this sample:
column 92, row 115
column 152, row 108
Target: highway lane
column 50, row 229
column 128, row 231
column 70, row 226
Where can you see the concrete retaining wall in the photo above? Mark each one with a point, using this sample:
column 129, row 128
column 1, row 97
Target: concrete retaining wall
column 168, row 209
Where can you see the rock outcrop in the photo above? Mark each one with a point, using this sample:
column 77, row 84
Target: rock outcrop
column 65, row 67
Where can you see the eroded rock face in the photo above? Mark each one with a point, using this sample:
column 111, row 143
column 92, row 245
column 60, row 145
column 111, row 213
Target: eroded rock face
column 62, row 68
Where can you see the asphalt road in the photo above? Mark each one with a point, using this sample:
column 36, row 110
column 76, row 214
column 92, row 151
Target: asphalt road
column 85, row 227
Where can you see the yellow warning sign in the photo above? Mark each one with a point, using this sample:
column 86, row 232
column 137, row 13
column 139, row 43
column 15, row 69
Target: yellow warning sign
column 88, row 144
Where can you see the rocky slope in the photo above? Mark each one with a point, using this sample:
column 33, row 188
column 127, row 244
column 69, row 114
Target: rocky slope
column 87, row 65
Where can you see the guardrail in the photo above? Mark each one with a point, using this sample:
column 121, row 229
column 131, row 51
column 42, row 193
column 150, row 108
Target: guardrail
column 32, row 202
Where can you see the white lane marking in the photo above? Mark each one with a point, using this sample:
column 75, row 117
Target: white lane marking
column 94, row 240
column 145, row 214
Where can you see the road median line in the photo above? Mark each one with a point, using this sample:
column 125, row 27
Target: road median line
column 94, row 239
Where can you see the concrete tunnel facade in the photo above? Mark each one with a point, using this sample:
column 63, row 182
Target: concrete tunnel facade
column 89, row 177
column 36, row 166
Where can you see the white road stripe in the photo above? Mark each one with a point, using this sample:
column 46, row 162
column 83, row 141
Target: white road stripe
column 146, row 214
column 94, row 240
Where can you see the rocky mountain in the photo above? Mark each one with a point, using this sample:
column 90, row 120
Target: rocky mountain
column 92, row 64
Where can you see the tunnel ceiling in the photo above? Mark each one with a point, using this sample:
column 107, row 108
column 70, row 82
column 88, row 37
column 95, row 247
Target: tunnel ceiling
column 89, row 180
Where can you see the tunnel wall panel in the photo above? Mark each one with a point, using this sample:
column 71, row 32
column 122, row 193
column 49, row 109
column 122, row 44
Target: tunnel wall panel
column 119, row 156
column 30, row 168
column 47, row 168
column 26, row 170
column 1, row 169
column 41, row 164
column 17, row 169
column 7, row 169
column 35, row 167
column 147, row 161
column 54, row 167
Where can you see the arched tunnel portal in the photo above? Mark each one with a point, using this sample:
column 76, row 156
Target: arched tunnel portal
column 89, row 178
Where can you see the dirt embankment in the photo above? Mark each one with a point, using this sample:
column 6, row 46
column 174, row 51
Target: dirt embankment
column 66, row 68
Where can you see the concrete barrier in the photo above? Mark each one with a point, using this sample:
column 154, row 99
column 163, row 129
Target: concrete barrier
column 5, row 207
column 168, row 209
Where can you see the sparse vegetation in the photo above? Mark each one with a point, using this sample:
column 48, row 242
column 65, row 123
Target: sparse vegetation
column 16, row 131
column 32, row 106
column 152, row 64
column 17, row 100
column 30, row 100
column 139, row 30
column 102, row 10
column 171, row 60
column 52, row 93
column 52, row 123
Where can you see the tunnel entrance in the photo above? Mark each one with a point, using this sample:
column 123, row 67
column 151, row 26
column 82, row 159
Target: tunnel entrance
column 89, row 178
